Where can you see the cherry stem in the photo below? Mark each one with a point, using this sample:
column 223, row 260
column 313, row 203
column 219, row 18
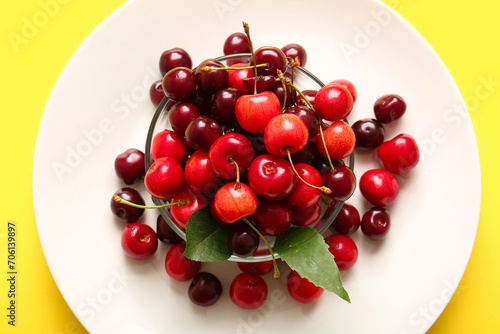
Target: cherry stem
column 237, row 185
column 282, row 79
column 118, row 199
column 321, row 125
column 213, row 68
column 324, row 189
column 247, row 32
column 276, row 270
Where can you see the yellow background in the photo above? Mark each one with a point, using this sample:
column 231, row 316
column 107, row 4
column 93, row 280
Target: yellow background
column 464, row 34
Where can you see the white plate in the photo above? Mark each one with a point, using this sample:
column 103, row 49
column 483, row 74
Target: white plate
column 100, row 107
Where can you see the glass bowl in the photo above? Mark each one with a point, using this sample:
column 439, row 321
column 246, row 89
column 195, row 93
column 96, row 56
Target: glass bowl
column 303, row 79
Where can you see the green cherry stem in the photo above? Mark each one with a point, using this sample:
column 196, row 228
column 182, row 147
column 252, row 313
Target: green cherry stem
column 237, row 185
column 212, row 68
column 118, row 199
column 324, row 189
column 276, row 270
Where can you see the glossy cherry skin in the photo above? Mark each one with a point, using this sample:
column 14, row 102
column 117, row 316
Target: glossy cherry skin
column 307, row 216
column 156, row 92
column 139, row 241
column 273, row 57
column 294, row 50
column 339, row 139
column 400, row 154
column 168, row 143
column 236, row 43
column 301, row 289
column 125, row 212
column 248, row 291
column 172, row 58
column 349, row 85
column 257, row 268
column 129, row 166
column 205, row 289
column 389, row 108
column 303, row 196
column 369, row 133
column 179, row 267
column 165, row 233
column 341, row 181
column 253, row 112
column 242, row 240
column 200, row 176
column 376, row 223
column 285, row 132
column 213, row 80
column 344, row 249
column 182, row 212
column 271, row 177
column 333, row 102
column 348, row 220
column 308, row 116
column 310, row 95
column 164, row 178
column 179, row 84
column 227, row 149
column 264, row 82
column 272, row 217
column 233, row 204
column 181, row 115
column 223, row 105
column 202, row 132
column 237, row 78
column 379, row 187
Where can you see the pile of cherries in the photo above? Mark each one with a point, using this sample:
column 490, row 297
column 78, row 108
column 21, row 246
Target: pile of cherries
column 263, row 156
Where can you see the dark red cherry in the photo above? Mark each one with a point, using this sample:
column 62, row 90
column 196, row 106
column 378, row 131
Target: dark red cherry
column 341, row 181
column 179, row 84
column 125, row 212
column 213, row 80
column 236, row 43
column 165, row 233
column 294, row 50
column 273, row 57
column 181, row 115
column 172, row 58
column 272, row 217
column 156, row 92
column 369, row 133
column 129, row 166
column 202, row 132
column 376, row 223
column 308, row 116
column 389, row 108
column 205, row 289
column 223, row 105
column 347, row 220
column 242, row 240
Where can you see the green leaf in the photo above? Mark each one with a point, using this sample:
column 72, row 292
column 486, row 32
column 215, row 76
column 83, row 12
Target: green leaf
column 206, row 241
column 306, row 252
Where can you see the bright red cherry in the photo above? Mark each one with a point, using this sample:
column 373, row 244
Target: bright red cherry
column 200, row 176
column 301, row 289
column 379, row 187
column 181, row 213
column 389, row 108
column 303, row 195
column 164, row 178
column 339, row 139
column 168, row 143
column 229, row 153
column 139, row 241
column 285, row 132
column 272, row 217
column 248, row 291
column 344, row 249
column 376, row 223
column 234, row 201
column 271, row 177
column 253, row 112
column 179, row 267
column 347, row 84
column 129, row 166
column 400, row 154
column 237, row 77
column 333, row 102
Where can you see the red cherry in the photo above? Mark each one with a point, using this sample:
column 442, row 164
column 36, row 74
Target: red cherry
column 344, row 249
column 273, row 57
column 164, row 178
column 376, row 223
column 248, row 291
column 301, row 289
column 175, row 57
column 285, row 132
column 202, row 132
column 182, row 212
column 237, row 77
column 389, row 108
column 339, row 139
column 167, row 143
column 156, row 92
column 303, row 195
column 228, row 149
column 200, row 176
column 181, row 115
column 129, row 166
column 379, row 187
column 236, row 43
column 139, row 241
column 233, row 204
column 294, row 50
column 271, row 177
column 272, row 217
column 347, row 220
column 253, row 112
column 307, row 216
column 179, row 84
column 399, row 155
column 211, row 81
column 341, row 181
column 179, row 267
column 308, row 116
column 205, row 289
column 333, row 102
column 264, row 82
column 347, row 84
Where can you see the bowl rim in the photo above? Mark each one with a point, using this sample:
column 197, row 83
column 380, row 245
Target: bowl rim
column 166, row 216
